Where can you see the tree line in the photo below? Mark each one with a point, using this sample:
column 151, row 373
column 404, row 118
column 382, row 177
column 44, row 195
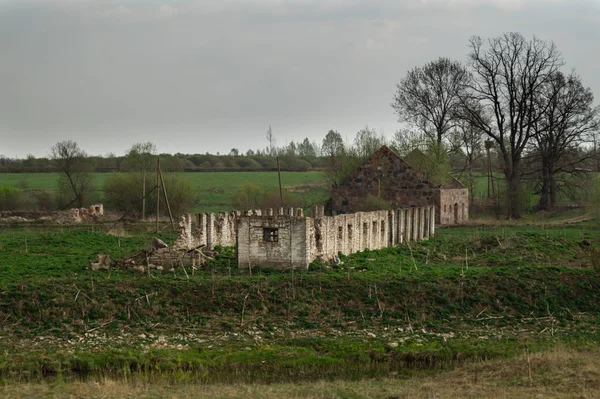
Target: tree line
column 514, row 97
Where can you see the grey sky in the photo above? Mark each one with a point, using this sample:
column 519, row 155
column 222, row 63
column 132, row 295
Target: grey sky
column 196, row 76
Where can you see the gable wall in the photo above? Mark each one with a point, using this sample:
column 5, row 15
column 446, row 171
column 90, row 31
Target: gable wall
column 387, row 176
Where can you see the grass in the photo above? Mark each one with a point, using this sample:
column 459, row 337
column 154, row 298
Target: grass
column 559, row 372
column 214, row 188
column 406, row 311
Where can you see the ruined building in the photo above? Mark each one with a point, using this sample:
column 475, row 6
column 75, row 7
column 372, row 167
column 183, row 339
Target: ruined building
column 385, row 175
column 285, row 238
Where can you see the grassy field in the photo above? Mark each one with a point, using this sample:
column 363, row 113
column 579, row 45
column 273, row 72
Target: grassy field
column 557, row 373
column 466, row 306
column 214, row 188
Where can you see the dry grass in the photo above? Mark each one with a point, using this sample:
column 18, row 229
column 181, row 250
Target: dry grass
column 558, row 373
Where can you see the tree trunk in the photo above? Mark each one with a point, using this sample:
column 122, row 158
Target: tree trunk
column 513, row 192
column 471, row 180
column 553, row 190
column 545, row 201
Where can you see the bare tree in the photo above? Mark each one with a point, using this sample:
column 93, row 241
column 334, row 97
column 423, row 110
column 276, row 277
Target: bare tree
column 568, row 120
column 75, row 182
column 509, row 72
column 467, row 140
column 429, row 97
column 366, row 142
column 406, row 140
column 271, row 140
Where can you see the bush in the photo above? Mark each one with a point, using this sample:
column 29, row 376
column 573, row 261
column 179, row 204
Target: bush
column 373, row 203
column 9, row 198
column 123, row 193
column 250, row 196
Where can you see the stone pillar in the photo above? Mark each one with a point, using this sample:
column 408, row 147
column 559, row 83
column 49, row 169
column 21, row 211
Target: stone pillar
column 258, row 212
column 210, row 230
column 280, row 212
column 201, row 229
column 409, row 224
column 432, row 222
column 401, row 225
column 392, row 228
column 300, row 212
column 415, row 224
column 291, row 212
column 270, row 212
column 421, row 223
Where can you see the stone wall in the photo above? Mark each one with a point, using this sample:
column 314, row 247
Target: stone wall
column 279, row 241
column 293, row 241
column 454, row 206
column 387, row 176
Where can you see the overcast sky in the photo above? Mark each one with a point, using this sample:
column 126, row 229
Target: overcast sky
column 208, row 75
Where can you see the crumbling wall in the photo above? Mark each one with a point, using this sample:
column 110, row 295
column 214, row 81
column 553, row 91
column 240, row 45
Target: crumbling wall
column 291, row 240
column 74, row 215
column 217, row 229
column 454, row 206
column 274, row 240
column 386, row 176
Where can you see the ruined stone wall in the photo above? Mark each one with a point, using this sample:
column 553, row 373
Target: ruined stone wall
column 300, row 240
column 279, row 241
column 217, row 229
column 454, row 206
column 387, row 176
column 350, row 233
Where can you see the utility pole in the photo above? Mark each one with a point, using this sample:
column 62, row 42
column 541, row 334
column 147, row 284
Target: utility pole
column 280, row 188
column 157, row 191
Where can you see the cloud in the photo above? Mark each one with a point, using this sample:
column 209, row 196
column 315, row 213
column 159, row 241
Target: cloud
column 140, row 12
column 166, row 11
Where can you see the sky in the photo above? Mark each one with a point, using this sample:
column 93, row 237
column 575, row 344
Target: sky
column 196, row 76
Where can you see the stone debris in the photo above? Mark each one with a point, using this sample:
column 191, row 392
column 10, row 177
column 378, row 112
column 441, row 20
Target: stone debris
column 69, row 216
column 104, row 262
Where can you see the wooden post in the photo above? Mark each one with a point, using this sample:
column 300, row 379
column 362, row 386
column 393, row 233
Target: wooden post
column 144, row 196
column 157, row 191
column 162, row 180
column 280, row 188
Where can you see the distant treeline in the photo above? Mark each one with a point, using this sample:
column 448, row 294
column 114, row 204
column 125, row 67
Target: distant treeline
column 176, row 163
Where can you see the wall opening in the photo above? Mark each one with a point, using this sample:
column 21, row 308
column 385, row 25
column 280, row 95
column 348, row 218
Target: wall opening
column 455, row 213
column 270, row 234
column 350, row 232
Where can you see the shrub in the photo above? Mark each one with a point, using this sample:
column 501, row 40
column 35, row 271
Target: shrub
column 251, row 196
column 123, row 192
column 9, row 198
column 372, row 203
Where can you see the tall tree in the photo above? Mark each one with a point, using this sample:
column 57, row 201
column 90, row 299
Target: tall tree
column 333, row 144
column 75, row 181
column 508, row 73
column 271, row 140
column 307, row 148
column 406, row 140
column 366, row 142
column 141, row 158
column 468, row 140
column 429, row 97
column 568, row 120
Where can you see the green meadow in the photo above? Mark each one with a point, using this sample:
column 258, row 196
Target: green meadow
column 214, row 189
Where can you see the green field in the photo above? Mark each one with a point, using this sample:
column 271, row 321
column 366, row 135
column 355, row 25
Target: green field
column 214, row 188
column 470, row 297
